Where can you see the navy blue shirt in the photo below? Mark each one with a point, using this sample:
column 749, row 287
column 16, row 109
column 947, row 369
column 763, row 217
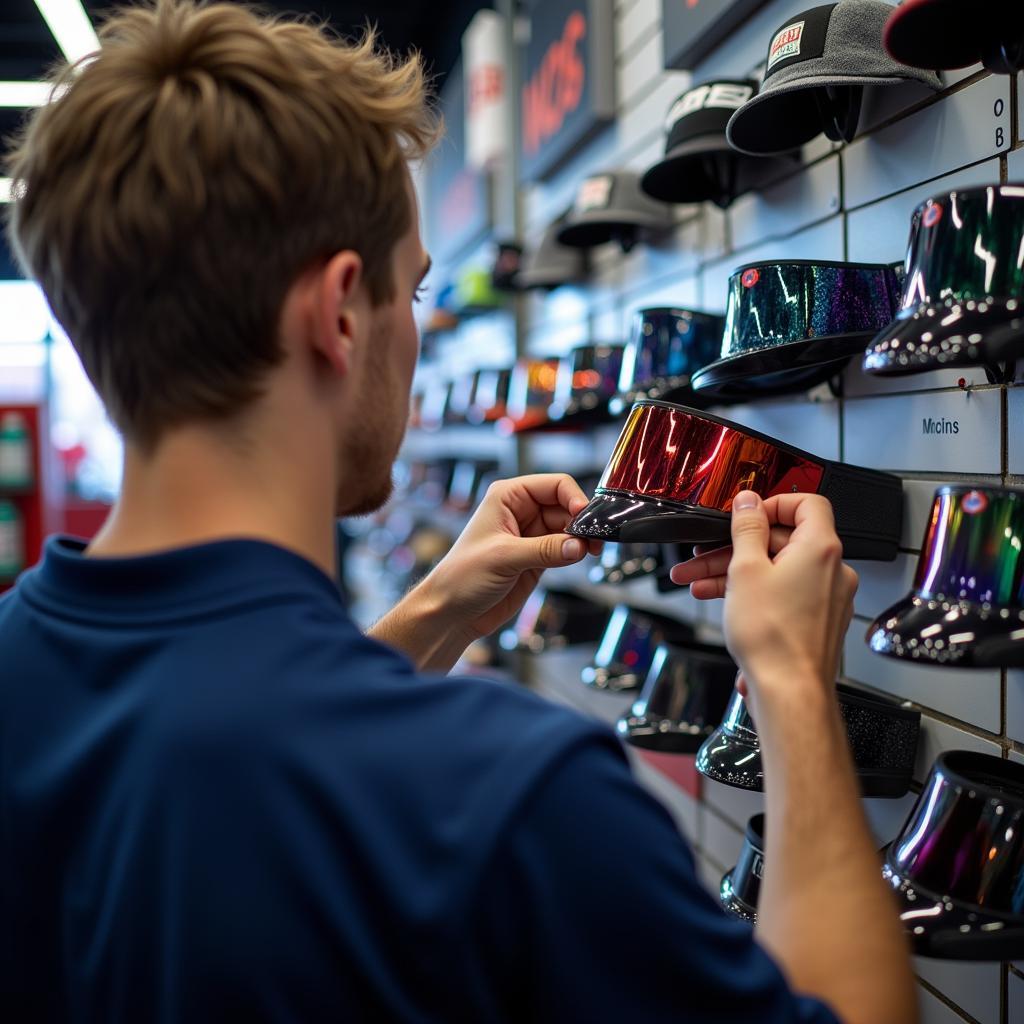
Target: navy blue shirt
column 220, row 801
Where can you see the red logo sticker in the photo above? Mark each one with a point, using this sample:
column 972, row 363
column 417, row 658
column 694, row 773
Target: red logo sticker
column 750, row 277
column 932, row 215
column 974, row 502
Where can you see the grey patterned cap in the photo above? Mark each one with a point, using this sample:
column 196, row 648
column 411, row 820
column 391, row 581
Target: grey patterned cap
column 817, row 64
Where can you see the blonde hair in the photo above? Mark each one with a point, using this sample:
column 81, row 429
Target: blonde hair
column 189, row 172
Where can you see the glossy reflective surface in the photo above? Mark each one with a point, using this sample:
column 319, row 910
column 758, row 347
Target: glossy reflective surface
column 627, row 648
column 530, row 392
column 917, row 35
column 675, row 471
column 667, row 346
column 489, row 396
column 470, row 478
column 964, row 281
column 435, row 403
column 621, row 562
column 967, row 606
column 882, row 734
column 741, row 887
column 461, row 397
column 587, row 378
column 958, row 863
column 772, row 304
column 683, row 697
column 972, row 547
column 676, row 454
column 732, row 753
column 551, row 618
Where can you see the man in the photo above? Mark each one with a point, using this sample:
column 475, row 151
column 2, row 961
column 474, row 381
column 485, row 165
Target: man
column 220, row 801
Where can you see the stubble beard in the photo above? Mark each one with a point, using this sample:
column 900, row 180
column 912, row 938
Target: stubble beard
column 371, row 447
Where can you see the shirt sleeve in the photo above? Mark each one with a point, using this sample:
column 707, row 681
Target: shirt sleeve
column 591, row 910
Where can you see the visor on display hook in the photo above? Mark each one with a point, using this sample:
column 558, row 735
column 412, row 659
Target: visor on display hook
column 957, row 865
column 683, row 697
column 963, row 291
column 675, row 471
column 610, row 207
column 468, row 481
column 460, row 397
column 531, row 390
column 882, row 734
column 741, row 886
column 966, row 608
column 699, row 164
column 790, row 326
column 552, row 619
column 918, row 33
column 586, row 382
column 627, row 648
column 619, row 563
column 552, row 264
column 817, row 65
column 490, row 395
column 667, row 345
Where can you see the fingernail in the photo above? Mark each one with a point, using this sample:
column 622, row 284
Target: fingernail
column 745, row 500
column 572, row 549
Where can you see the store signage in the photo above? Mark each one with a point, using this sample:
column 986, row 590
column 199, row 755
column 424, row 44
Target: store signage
column 458, row 196
column 940, row 425
column 568, row 81
column 483, row 53
column 940, row 431
column 693, row 28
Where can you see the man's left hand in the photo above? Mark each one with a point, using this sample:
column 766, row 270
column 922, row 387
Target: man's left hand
column 515, row 534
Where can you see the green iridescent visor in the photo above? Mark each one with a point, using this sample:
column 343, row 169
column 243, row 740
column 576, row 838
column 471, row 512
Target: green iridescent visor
column 967, row 605
column 964, row 285
column 791, row 325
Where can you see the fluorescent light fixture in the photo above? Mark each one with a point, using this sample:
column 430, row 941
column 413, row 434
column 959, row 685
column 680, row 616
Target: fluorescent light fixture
column 5, row 190
column 70, row 26
column 24, row 94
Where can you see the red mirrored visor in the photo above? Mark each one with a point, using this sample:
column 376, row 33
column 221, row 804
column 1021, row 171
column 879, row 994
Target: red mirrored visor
column 530, row 392
column 670, row 453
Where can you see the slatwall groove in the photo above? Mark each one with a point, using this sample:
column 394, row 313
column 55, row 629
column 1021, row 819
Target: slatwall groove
column 642, row 38
column 955, row 1015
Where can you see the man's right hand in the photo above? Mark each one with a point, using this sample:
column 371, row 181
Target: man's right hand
column 788, row 594
column 788, row 603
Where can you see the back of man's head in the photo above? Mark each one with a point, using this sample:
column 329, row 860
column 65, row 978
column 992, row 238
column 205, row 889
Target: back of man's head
column 198, row 164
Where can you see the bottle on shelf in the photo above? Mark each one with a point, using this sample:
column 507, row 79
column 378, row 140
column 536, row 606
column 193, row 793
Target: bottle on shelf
column 12, row 540
column 15, row 452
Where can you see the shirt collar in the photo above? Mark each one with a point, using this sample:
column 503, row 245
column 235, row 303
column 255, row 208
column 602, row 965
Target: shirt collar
column 169, row 584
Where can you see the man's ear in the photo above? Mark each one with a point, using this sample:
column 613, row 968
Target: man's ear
column 339, row 314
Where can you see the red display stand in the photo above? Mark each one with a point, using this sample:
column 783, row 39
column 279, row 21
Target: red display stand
column 681, row 770
column 38, row 504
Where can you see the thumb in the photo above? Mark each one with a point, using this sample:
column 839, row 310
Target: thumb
column 750, row 528
column 548, row 552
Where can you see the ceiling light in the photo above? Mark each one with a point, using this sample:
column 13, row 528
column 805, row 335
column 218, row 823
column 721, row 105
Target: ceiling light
column 24, row 94
column 70, row 26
